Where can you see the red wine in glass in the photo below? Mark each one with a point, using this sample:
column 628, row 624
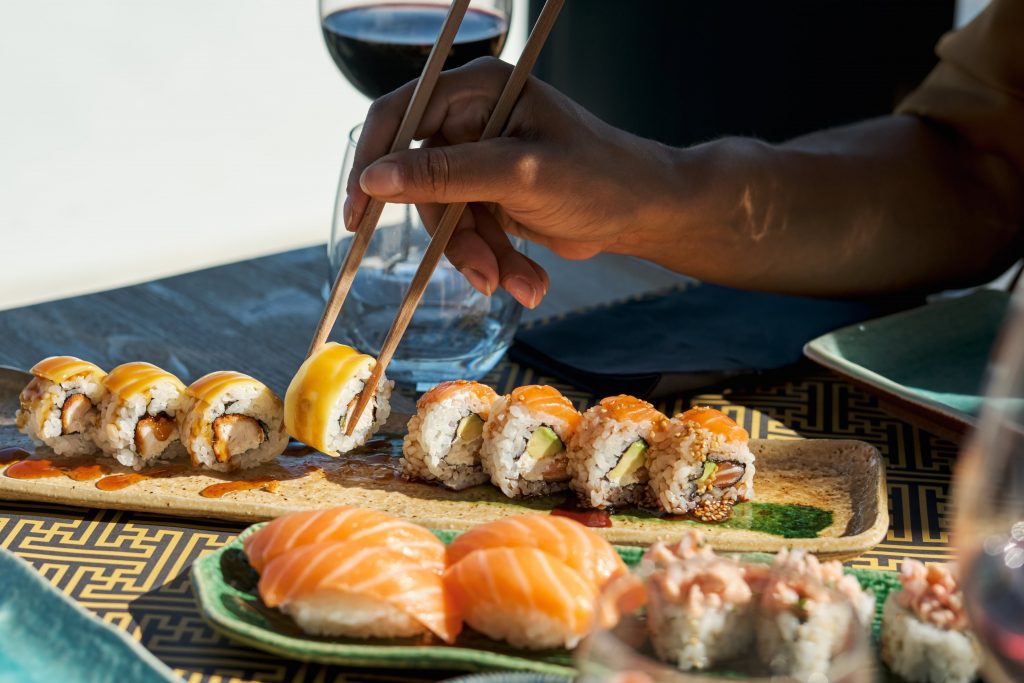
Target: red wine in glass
column 383, row 46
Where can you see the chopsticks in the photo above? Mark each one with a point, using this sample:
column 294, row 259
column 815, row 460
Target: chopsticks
column 439, row 241
column 406, row 130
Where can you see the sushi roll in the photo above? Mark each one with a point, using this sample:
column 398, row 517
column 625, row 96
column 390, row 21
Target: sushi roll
column 232, row 422
column 322, row 393
column 607, row 457
column 139, row 416
column 591, row 556
column 524, row 441
column 700, row 609
column 925, row 638
column 699, row 462
column 523, row 596
column 832, row 576
column 446, row 433
column 344, row 523
column 360, row 589
column 802, row 625
column 59, row 406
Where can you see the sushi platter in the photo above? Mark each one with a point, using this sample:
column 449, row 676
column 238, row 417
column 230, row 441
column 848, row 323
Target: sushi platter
column 826, row 496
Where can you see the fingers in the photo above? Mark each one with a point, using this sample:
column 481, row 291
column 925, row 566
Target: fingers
column 459, row 108
column 521, row 277
column 496, row 170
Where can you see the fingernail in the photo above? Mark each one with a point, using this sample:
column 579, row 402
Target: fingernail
column 382, row 179
column 346, row 212
column 522, row 291
column 477, row 279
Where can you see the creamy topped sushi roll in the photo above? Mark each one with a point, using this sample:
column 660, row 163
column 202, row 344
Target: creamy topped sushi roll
column 925, row 635
column 831, row 575
column 700, row 609
column 524, row 441
column 607, row 457
column 233, row 422
column 446, row 433
column 323, row 393
column 802, row 625
column 59, row 406
column 699, row 461
column 139, row 416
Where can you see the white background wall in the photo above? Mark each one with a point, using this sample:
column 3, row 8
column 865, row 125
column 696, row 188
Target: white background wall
column 141, row 138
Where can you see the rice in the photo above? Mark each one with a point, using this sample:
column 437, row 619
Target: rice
column 600, row 443
column 676, row 463
column 41, row 405
column 505, row 436
column 432, row 449
column 700, row 608
column 335, row 613
column 140, row 392
column 224, row 394
column 925, row 636
column 372, row 419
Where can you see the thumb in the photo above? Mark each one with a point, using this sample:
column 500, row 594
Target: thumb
column 485, row 171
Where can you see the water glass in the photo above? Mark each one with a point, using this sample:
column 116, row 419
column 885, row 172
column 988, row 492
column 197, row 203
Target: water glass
column 456, row 333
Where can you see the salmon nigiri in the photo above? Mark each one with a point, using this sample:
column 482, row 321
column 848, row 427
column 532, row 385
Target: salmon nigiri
column 591, row 556
column 525, row 440
column 524, row 596
column 344, row 523
column 359, row 589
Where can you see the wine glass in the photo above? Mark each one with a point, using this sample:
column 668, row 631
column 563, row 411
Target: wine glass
column 989, row 499
column 380, row 46
column 620, row 648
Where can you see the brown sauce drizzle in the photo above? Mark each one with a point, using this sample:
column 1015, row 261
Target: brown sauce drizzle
column 268, row 484
column 117, row 482
column 43, row 469
column 595, row 519
column 9, row 455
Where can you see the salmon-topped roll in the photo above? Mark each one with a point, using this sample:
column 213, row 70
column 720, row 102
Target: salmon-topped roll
column 139, row 416
column 591, row 556
column 700, row 460
column 608, row 453
column 359, row 589
column 344, row 523
column 524, row 441
column 446, row 433
column 233, row 422
column 59, row 407
column 523, row 596
column 323, row 393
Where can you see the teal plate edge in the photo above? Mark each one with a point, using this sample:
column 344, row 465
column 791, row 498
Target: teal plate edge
column 94, row 649
column 211, row 589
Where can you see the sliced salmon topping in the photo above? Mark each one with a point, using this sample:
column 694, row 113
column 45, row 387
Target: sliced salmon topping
column 716, row 422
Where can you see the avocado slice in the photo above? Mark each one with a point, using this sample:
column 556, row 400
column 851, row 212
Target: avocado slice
column 709, row 471
column 543, row 443
column 470, row 428
column 632, row 460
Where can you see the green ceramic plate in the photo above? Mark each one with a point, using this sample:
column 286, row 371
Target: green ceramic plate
column 225, row 587
column 929, row 360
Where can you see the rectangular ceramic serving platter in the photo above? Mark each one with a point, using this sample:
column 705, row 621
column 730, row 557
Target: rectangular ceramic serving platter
column 844, row 480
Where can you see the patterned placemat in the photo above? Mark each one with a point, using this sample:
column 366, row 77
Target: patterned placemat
column 132, row 569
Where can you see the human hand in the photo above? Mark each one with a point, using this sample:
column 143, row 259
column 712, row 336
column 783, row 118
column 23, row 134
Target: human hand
column 558, row 176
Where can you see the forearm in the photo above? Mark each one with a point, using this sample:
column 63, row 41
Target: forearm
column 885, row 205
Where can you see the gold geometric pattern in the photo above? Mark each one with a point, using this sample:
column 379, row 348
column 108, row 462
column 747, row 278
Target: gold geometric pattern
column 132, row 569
